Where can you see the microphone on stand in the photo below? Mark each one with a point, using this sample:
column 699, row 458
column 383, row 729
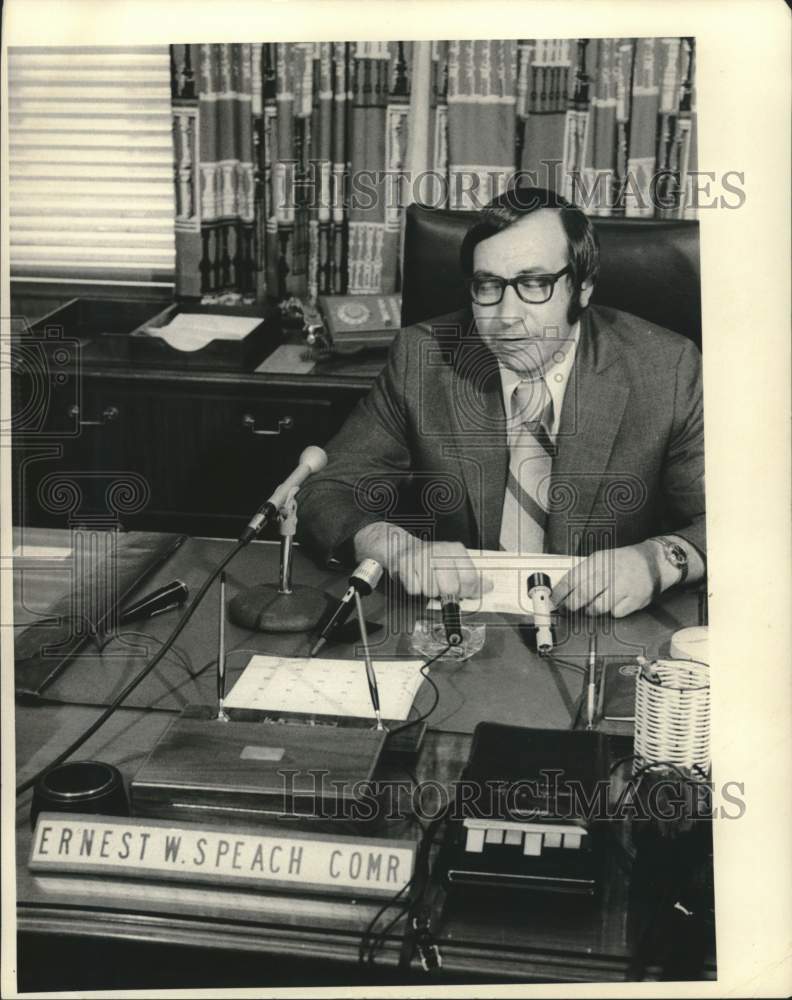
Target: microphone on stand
column 282, row 606
column 364, row 579
column 312, row 459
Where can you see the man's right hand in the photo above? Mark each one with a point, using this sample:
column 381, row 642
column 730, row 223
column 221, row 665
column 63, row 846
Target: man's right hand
column 429, row 568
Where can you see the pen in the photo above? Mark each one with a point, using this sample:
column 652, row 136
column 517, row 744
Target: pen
column 221, row 673
column 371, row 677
column 592, row 680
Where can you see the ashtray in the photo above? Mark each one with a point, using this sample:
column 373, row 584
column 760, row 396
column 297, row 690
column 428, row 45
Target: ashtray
column 429, row 639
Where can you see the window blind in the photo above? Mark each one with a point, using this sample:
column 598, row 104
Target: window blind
column 91, row 164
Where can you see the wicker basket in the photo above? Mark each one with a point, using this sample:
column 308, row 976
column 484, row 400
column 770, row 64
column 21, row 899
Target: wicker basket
column 672, row 716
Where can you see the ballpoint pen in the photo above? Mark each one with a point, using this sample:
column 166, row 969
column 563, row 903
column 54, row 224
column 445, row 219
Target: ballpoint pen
column 371, row 677
column 592, row 680
column 221, row 672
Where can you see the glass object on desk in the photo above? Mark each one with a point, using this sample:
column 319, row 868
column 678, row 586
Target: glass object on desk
column 429, row 639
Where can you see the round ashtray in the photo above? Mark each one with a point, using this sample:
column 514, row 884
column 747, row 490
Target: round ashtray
column 429, row 639
column 82, row 786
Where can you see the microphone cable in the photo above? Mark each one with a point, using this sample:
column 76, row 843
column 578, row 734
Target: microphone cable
column 105, row 715
column 422, row 718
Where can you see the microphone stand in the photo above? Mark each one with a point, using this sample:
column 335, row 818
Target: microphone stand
column 285, row 606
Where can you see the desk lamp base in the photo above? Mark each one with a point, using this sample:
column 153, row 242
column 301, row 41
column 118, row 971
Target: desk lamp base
column 268, row 609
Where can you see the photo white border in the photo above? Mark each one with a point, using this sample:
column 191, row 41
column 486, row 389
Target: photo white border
column 743, row 104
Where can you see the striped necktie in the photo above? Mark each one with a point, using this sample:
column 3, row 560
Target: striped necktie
column 531, row 460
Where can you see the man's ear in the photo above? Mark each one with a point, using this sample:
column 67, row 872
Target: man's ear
column 586, row 291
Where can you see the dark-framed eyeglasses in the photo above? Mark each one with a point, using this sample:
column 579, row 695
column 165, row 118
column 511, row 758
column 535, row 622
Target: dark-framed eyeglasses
column 534, row 289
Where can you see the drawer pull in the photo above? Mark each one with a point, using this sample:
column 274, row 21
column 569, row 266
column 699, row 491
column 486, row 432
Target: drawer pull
column 109, row 414
column 284, row 424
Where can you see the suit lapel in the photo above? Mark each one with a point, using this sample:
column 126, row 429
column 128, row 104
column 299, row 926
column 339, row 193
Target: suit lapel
column 474, row 405
column 593, row 408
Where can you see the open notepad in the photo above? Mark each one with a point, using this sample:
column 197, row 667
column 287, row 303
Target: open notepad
column 509, row 572
column 326, row 687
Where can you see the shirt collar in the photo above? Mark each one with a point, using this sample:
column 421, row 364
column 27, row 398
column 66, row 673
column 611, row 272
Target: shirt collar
column 556, row 377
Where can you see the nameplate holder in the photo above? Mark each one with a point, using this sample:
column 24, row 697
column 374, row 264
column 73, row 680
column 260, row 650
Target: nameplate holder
column 268, row 859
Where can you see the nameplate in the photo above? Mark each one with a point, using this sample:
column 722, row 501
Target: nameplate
column 272, row 859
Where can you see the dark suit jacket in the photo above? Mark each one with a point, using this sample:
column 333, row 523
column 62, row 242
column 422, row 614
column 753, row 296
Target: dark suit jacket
column 630, row 448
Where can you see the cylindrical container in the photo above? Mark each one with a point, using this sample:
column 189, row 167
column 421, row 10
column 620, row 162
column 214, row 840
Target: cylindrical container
column 81, row 786
column 672, row 716
column 691, row 644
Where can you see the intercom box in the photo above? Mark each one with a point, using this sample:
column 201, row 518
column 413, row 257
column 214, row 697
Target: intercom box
column 529, row 810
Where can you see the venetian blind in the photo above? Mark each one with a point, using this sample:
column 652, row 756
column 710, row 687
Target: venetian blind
column 91, row 164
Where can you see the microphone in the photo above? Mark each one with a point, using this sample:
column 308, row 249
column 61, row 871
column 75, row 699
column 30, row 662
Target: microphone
column 312, row 459
column 451, row 619
column 539, row 594
column 365, row 578
column 163, row 599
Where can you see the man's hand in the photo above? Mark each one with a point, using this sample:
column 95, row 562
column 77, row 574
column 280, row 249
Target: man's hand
column 428, row 568
column 618, row 581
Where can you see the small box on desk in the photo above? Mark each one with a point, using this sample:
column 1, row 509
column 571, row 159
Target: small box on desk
column 229, row 338
column 360, row 322
column 528, row 810
column 251, row 771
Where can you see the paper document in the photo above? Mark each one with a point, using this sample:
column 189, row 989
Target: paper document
column 288, row 359
column 326, row 687
column 509, row 572
column 193, row 331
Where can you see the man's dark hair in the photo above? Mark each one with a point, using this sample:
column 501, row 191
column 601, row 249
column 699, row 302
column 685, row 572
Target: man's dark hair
column 508, row 208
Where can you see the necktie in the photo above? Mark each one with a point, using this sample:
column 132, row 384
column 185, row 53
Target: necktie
column 530, row 463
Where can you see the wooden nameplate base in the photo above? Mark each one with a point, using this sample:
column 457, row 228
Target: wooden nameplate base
column 248, row 771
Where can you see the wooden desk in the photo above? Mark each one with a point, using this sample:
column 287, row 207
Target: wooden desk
column 205, row 444
column 312, row 941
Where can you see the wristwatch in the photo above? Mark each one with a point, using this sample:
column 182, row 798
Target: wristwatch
column 676, row 555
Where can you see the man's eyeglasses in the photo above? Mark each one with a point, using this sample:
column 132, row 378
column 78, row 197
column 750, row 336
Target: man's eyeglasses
column 534, row 289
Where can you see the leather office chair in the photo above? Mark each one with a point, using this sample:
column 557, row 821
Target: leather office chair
column 647, row 267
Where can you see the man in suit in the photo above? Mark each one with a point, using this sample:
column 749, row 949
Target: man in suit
column 532, row 422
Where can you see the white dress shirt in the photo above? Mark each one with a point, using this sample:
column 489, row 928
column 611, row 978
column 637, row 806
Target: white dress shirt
column 556, row 377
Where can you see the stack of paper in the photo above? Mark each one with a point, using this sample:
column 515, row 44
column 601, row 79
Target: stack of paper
column 193, row 331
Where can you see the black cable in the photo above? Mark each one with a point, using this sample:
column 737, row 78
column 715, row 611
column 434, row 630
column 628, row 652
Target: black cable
column 180, row 626
column 364, row 939
column 620, row 761
column 421, row 877
column 558, row 661
column 183, row 658
column 379, row 941
column 428, row 712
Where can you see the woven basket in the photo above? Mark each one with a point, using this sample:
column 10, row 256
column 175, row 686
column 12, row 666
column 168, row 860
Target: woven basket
column 672, row 716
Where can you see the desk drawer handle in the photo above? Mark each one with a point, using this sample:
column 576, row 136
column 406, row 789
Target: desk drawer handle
column 109, row 414
column 284, row 424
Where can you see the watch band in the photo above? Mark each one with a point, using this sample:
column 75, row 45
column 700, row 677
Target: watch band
column 676, row 555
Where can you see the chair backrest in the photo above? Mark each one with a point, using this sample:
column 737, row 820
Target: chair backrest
column 647, row 267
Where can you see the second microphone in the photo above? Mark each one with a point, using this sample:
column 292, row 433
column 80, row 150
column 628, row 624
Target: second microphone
column 364, row 579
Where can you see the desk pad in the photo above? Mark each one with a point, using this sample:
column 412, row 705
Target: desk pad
column 506, row 682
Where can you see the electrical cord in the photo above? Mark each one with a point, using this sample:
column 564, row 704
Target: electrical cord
column 111, row 708
column 558, row 661
column 182, row 657
column 364, row 958
column 420, row 877
column 430, row 710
